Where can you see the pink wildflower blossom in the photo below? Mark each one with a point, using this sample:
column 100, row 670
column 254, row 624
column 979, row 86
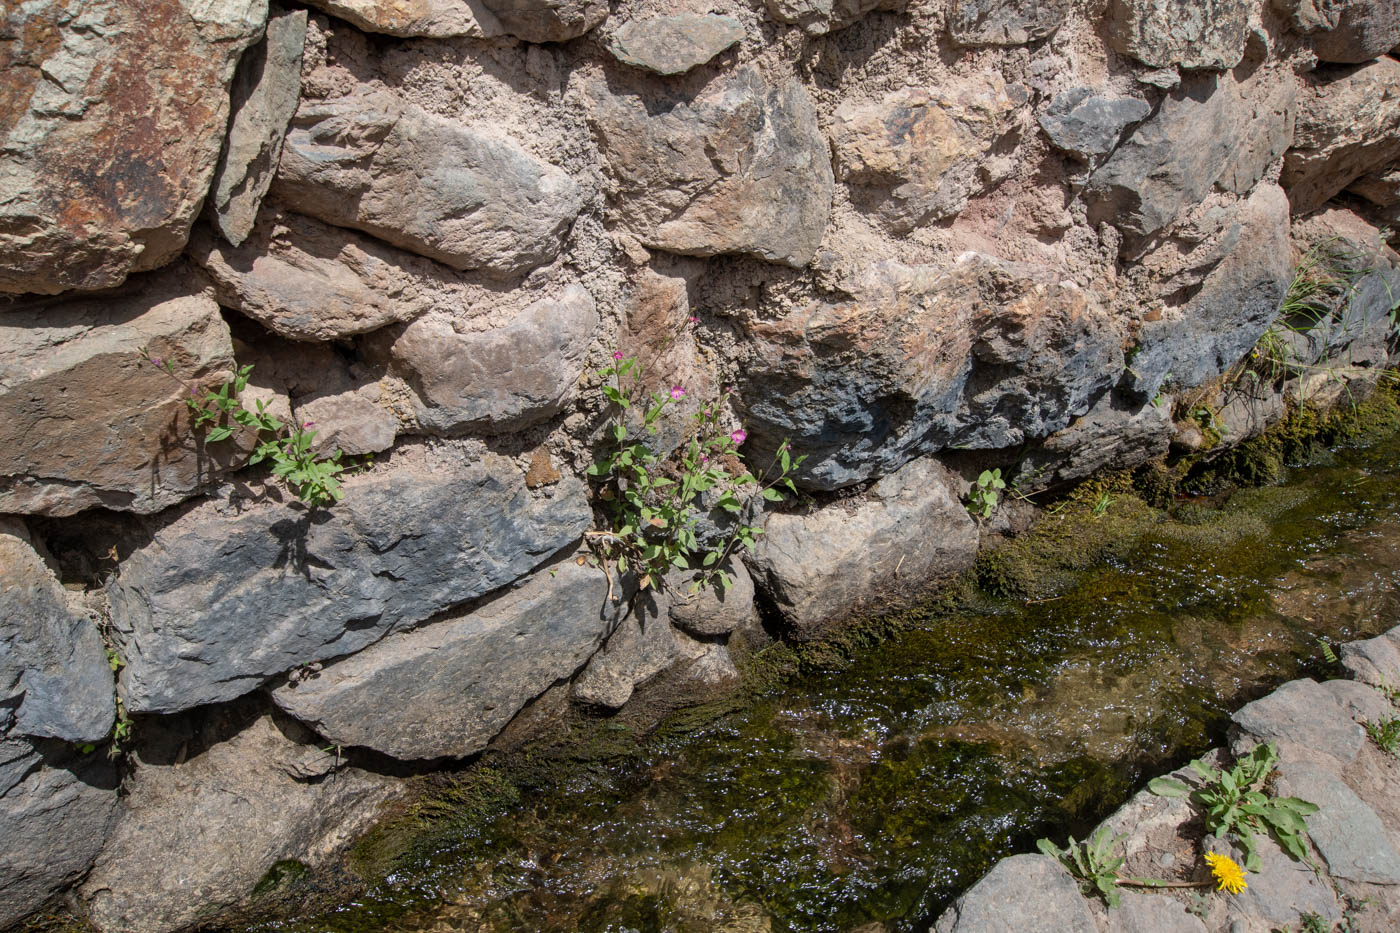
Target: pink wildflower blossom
column 617, row 354
column 677, row 393
column 739, row 436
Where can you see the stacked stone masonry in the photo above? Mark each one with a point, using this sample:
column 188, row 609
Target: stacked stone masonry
column 911, row 238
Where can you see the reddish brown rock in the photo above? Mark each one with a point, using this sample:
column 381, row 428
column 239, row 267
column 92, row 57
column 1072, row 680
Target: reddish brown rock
column 531, row 20
column 85, row 421
column 112, row 114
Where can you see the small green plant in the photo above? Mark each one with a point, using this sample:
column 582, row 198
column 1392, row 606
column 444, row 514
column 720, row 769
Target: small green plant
column 985, row 493
column 1328, row 653
column 1092, row 862
column 1386, row 734
column 1236, row 801
column 1102, row 505
column 288, row 447
column 653, row 502
column 114, row 659
column 1313, row 923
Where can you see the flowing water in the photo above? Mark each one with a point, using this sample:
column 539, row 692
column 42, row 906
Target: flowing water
column 866, row 796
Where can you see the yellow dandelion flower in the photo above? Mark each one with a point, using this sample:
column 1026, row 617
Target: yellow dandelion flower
column 1225, row 871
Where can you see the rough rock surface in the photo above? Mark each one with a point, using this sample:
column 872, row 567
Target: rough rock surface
column 1023, row 892
column 1348, row 127
column 531, row 20
column 1281, row 891
column 1302, row 715
column 1359, row 30
column 1004, row 22
column 1374, row 661
column 447, row 688
column 265, row 91
column 469, row 198
column 199, row 827
column 125, row 441
column 54, row 678
column 56, row 807
column 1089, row 125
column 1237, row 302
column 1345, row 831
column 547, row 20
column 714, row 611
column 111, row 118
column 742, row 168
column 293, row 586
column 1115, row 434
column 818, row 17
column 352, row 422
column 672, row 45
column 817, row 568
column 1171, row 161
column 500, row 379
column 641, row 647
column 1189, row 33
column 979, row 354
column 1150, row 913
column 309, row 281
column 920, row 154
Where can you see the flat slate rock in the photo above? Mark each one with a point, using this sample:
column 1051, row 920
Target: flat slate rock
column 1302, row 714
column 1086, row 124
column 1345, row 830
column 1022, row 894
column 672, row 45
column 1375, row 661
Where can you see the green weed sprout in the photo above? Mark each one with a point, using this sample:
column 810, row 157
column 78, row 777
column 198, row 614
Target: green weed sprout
column 985, row 493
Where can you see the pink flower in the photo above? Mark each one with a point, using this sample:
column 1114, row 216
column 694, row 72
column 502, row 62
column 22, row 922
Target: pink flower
column 617, row 354
column 309, row 424
column 677, row 393
column 739, row 436
column 155, row 361
column 694, row 319
column 704, row 458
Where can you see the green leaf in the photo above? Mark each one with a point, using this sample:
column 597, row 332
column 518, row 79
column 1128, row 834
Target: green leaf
column 1049, row 848
column 218, row 434
column 772, row 495
column 1168, row 787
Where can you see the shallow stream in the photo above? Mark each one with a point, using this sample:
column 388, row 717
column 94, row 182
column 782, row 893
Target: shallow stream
column 866, row 796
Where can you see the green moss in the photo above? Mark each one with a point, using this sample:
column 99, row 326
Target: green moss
column 282, row 875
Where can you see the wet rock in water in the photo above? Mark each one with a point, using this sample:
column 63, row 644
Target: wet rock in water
column 1023, row 893
column 85, row 421
column 56, row 807
column 920, row 154
column 1350, row 32
column 54, row 678
column 978, row 353
column 1348, row 834
column 501, row 379
column 467, row 198
column 112, row 119
column 205, row 817
column 447, row 688
column 1086, row 124
column 306, row 280
column 1004, row 22
column 672, row 45
column 713, row 610
column 742, row 168
column 910, row 529
column 1348, row 127
column 1188, row 33
column 265, row 91
column 1233, row 307
column 293, row 586
column 1302, row 719
column 818, row 17
column 1374, row 661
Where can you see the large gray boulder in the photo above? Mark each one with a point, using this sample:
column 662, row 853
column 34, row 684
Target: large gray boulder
column 978, row 353
column 1115, row 434
column 1189, row 33
column 672, row 45
column 1237, row 302
column 306, row 280
column 1348, row 127
column 231, row 593
column 1004, row 22
column 531, row 20
column 501, row 379
column 207, row 816
column 1351, row 31
column 1087, row 124
column 54, row 677
column 469, row 198
column 919, row 154
column 1193, row 141
column 1305, row 721
column 112, row 118
column 818, row 17
column 742, row 168
column 56, row 806
column 84, row 421
column 447, row 688
column 1346, row 832
column 909, row 529
column 641, row 646
column 1024, row 894
column 265, row 92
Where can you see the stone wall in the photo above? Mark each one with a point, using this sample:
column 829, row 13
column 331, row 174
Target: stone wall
column 916, row 238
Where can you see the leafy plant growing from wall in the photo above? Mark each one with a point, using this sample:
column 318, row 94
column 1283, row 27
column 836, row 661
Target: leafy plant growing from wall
column 654, row 502
column 288, row 446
